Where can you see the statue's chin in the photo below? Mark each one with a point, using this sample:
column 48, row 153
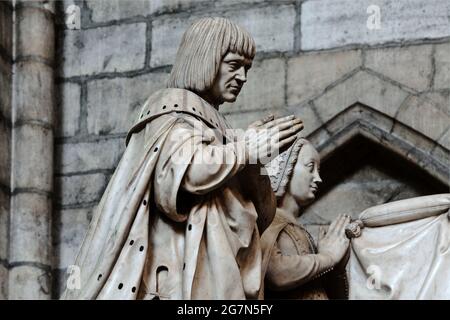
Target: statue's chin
column 230, row 96
column 231, row 99
column 304, row 201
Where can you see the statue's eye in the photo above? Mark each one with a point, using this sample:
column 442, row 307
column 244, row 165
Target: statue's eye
column 233, row 66
column 310, row 166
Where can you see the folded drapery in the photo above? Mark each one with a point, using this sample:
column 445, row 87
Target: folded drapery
column 402, row 251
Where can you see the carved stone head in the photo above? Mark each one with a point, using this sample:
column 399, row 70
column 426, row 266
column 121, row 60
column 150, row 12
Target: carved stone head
column 213, row 59
column 296, row 171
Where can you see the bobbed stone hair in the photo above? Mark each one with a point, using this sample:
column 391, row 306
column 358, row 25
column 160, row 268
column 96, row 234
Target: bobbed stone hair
column 281, row 168
column 202, row 48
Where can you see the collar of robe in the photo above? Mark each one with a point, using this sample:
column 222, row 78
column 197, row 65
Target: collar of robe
column 287, row 216
column 170, row 100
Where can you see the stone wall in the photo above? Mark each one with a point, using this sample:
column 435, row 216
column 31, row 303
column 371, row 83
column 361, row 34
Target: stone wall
column 382, row 94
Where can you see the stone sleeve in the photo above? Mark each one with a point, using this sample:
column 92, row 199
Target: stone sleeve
column 189, row 161
column 212, row 166
column 286, row 272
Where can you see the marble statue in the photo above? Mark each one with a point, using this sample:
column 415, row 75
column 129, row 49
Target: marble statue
column 295, row 267
column 401, row 250
column 182, row 215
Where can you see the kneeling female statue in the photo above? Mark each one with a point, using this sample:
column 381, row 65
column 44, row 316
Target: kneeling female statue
column 296, row 268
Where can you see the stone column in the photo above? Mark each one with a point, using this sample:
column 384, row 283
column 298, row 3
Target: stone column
column 32, row 151
column 6, row 23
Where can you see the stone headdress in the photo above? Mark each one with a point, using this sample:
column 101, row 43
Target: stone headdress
column 280, row 169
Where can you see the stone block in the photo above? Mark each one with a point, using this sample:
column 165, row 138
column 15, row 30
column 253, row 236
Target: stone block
column 309, row 74
column 414, row 139
column 442, row 154
column 68, row 109
column 333, row 140
column 445, row 140
column 3, row 282
column 166, row 37
column 363, row 88
column 423, row 116
column 87, row 156
column 4, row 224
column 320, row 139
column 5, row 88
column 241, row 120
column 6, row 26
column 359, row 114
column 371, row 118
column 5, row 155
column 34, row 92
column 41, row 4
column 271, row 27
column 264, row 88
column 442, row 62
column 410, row 66
column 70, row 228
column 336, row 23
column 440, row 99
column 113, row 105
column 107, row 10
column 310, row 120
column 30, row 228
column 29, row 283
column 432, row 165
column 80, row 189
column 36, row 27
column 106, row 49
column 33, row 142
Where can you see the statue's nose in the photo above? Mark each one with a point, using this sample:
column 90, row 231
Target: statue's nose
column 241, row 75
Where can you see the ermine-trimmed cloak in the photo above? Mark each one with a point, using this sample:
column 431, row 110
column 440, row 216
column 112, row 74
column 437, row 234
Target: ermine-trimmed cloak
column 176, row 221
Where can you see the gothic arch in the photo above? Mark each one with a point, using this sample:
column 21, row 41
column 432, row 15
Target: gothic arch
column 361, row 121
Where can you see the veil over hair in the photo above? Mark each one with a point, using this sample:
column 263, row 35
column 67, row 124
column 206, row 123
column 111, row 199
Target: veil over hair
column 202, row 48
column 280, row 169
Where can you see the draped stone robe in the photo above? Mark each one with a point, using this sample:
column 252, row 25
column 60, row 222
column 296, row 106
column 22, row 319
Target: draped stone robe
column 402, row 251
column 177, row 222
